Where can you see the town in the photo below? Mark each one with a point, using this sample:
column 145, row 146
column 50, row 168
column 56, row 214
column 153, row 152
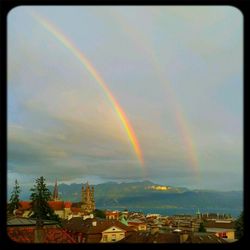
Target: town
column 82, row 222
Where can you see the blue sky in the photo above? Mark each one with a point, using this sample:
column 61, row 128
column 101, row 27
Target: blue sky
column 158, row 62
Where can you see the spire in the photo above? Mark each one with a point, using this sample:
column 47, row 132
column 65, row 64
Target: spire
column 55, row 193
column 198, row 213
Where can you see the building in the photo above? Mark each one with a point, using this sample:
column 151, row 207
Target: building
column 223, row 229
column 137, row 224
column 88, row 201
column 64, row 209
column 26, row 230
column 204, row 238
column 146, row 237
column 25, row 209
column 112, row 215
column 96, row 230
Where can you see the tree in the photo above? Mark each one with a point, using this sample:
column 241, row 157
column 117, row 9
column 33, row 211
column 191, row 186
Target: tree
column 99, row 213
column 202, row 228
column 39, row 201
column 239, row 226
column 14, row 202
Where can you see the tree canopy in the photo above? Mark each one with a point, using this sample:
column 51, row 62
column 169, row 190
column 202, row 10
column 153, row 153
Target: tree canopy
column 202, row 228
column 99, row 213
column 14, row 202
column 239, row 226
column 40, row 195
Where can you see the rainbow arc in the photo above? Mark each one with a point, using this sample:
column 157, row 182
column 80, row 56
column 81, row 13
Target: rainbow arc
column 93, row 72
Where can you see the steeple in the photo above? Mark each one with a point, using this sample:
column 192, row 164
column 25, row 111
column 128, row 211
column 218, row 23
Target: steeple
column 83, row 194
column 55, row 193
column 198, row 214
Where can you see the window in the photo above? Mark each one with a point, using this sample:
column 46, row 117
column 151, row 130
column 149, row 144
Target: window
column 105, row 238
column 113, row 238
column 224, row 235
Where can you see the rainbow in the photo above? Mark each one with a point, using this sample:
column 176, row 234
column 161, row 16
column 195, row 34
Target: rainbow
column 93, row 72
column 182, row 123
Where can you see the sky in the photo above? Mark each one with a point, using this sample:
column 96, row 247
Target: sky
column 126, row 93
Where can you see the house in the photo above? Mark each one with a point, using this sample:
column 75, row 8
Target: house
column 26, row 230
column 24, row 210
column 223, row 229
column 137, row 224
column 96, row 230
column 61, row 208
column 113, row 215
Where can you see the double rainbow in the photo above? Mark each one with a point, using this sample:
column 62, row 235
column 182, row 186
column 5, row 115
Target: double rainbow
column 181, row 121
column 93, row 72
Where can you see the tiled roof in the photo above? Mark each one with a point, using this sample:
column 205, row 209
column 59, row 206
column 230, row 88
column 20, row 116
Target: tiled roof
column 86, row 227
column 111, row 212
column 93, row 238
column 76, row 209
column 213, row 224
column 74, row 224
column 22, row 221
column 67, row 204
column 136, row 221
column 137, row 237
column 204, row 238
column 27, row 235
column 76, row 204
column 56, row 205
column 19, row 212
column 25, row 205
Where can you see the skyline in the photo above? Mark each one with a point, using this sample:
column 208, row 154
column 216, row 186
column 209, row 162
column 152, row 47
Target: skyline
column 156, row 63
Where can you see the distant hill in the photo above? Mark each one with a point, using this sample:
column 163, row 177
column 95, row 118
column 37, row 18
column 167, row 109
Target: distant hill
column 147, row 194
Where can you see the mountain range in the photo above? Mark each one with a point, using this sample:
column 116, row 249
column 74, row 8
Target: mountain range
column 147, row 194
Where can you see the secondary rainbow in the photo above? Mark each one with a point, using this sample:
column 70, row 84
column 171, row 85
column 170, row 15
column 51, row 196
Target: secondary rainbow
column 93, row 72
column 182, row 123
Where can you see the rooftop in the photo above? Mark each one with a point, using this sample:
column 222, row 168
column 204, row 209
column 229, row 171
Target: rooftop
column 204, row 238
column 85, row 226
column 145, row 237
column 22, row 221
column 52, row 235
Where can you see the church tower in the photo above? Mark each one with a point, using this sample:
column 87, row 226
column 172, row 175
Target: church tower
column 55, row 192
column 88, row 201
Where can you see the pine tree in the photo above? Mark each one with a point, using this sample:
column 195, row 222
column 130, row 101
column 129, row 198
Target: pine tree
column 14, row 202
column 40, row 196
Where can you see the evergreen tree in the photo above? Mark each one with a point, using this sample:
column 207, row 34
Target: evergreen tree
column 14, row 202
column 39, row 201
column 202, row 228
column 239, row 226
